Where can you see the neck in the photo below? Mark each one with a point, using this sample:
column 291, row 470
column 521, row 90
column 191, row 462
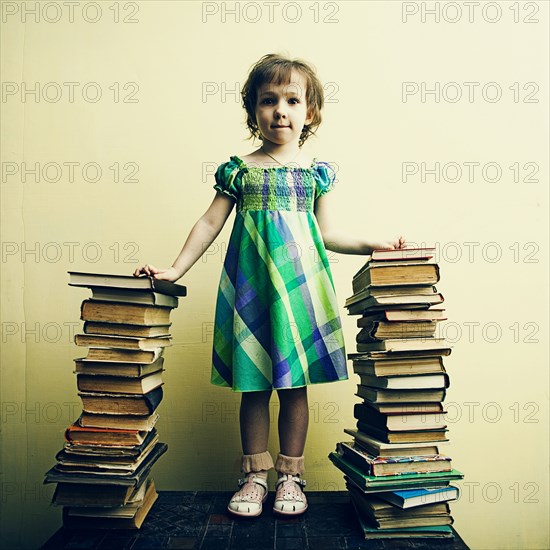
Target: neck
column 283, row 153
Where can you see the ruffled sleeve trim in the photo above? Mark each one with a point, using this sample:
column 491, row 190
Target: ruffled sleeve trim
column 228, row 177
column 325, row 178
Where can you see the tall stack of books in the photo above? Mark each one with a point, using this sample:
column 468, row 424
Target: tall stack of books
column 103, row 472
column 398, row 481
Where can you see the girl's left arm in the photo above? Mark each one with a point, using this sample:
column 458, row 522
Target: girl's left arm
column 338, row 241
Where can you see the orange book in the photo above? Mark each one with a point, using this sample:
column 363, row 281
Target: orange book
column 103, row 436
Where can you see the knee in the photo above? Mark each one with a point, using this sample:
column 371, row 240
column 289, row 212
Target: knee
column 256, row 397
column 293, row 396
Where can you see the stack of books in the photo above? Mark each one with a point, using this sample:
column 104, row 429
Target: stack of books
column 103, row 472
column 398, row 481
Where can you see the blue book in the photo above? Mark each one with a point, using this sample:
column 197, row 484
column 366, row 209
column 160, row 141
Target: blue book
column 417, row 497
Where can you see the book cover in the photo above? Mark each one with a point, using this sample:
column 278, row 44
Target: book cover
column 411, row 498
column 394, row 482
column 396, row 465
column 53, row 475
column 110, row 280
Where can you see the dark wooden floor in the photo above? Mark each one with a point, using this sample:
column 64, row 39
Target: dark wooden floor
column 200, row 521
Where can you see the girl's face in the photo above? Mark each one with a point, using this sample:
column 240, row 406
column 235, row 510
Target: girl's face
column 281, row 110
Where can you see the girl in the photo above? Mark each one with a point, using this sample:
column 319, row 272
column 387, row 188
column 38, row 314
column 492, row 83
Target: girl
column 277, row 324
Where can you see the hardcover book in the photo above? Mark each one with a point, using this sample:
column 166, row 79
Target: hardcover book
column 109, row 280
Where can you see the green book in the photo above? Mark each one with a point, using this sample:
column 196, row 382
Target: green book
column 373, row 484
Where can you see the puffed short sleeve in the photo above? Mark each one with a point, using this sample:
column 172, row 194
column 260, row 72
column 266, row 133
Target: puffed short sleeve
column 228, row 178
column 325, row 177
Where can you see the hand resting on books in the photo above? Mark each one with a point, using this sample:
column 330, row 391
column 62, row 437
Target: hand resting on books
column 397, row 243
column 169, row 274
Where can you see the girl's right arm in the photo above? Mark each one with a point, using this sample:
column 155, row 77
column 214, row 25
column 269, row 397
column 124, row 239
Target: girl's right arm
column 201, row 236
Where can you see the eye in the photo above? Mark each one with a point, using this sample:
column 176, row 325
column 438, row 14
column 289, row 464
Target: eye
column 294, row 99
column 267, row 100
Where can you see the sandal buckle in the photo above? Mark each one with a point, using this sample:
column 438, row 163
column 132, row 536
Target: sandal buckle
column 299, row 481
column 241, row 482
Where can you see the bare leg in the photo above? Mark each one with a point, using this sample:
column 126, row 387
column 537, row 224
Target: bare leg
column 293, row 421
column 293, row 424
column 256, row 460
column 254, row 420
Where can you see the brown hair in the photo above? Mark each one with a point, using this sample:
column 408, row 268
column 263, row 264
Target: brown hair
column 276, row 69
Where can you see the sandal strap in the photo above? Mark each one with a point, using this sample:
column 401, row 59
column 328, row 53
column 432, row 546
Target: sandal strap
column 254, row 479
column 298, row 480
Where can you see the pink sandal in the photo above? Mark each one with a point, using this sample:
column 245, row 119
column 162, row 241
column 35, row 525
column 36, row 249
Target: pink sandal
column 289, row 498
column 249, row 499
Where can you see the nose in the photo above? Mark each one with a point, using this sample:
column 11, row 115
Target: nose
column 280, row 110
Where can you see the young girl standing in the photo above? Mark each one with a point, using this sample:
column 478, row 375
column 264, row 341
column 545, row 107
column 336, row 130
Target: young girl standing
column 277, row 325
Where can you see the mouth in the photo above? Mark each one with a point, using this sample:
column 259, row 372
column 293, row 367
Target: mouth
column 280, row 126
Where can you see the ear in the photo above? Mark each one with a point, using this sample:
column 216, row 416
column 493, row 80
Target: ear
column 309, row 117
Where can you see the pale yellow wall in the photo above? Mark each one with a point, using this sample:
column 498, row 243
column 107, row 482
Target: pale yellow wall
column 175, row 137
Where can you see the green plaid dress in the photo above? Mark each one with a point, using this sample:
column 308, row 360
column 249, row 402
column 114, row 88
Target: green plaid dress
column 276, row 323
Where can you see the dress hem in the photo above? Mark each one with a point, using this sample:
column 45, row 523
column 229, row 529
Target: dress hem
column 282, row 387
